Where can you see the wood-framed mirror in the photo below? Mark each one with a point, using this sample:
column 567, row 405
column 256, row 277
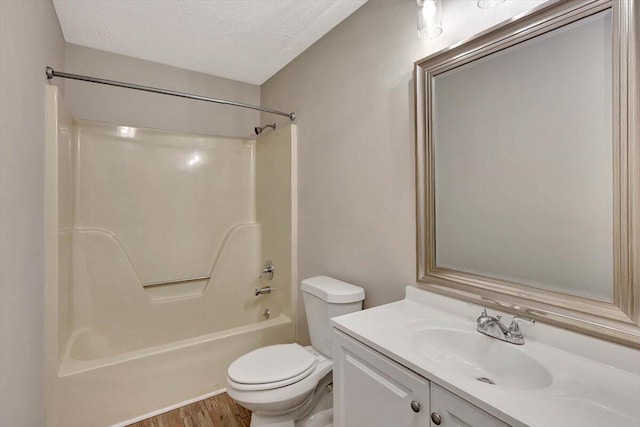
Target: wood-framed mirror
column 528, row 168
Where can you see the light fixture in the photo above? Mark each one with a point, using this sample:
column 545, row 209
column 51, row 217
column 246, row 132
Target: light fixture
column 486, row 4
column 429, row 18
column 194, row 160
column 126, row 132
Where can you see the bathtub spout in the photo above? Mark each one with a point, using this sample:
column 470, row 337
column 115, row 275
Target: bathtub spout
column 265, row 290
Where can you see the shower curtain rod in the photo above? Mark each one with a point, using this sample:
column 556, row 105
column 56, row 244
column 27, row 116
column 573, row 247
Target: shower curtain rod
column 51, row 73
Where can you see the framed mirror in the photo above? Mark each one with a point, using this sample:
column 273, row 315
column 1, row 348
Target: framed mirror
column 528, row 168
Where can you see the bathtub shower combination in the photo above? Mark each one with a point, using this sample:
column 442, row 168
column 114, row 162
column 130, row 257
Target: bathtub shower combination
column 155, row 244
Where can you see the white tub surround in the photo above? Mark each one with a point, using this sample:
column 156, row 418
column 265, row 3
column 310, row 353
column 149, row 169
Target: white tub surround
column 155, row 241
column 557, row 377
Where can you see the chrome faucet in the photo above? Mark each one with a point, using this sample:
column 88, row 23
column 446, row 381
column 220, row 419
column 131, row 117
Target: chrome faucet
column 492, row 327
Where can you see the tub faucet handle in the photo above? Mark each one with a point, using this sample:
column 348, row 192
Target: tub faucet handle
column 268, row 270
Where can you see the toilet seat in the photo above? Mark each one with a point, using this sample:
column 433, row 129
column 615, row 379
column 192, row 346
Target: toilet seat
column 285, row 399
column 270, row 386
column 271, row 367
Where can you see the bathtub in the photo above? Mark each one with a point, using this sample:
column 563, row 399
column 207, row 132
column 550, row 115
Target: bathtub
column 131, row 353
column 127, row 387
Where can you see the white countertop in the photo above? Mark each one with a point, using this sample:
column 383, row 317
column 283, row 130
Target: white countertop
column 594, row 383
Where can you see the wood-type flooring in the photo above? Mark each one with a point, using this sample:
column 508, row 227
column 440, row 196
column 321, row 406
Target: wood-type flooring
column 216, row 411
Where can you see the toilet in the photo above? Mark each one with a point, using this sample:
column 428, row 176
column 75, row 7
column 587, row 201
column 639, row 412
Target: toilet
column 287, row 385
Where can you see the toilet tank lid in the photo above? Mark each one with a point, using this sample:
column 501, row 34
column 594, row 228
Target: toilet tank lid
column 332, row 290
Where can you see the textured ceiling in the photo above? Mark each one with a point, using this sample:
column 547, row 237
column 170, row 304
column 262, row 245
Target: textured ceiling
column 246, row 40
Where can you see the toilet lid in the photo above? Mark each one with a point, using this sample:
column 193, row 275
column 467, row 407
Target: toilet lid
column 275, row 363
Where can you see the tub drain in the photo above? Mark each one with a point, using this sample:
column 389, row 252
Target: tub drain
column 485, row 380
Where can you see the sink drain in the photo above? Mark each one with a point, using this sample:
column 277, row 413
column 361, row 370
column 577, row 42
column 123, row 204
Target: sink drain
column 485, row 380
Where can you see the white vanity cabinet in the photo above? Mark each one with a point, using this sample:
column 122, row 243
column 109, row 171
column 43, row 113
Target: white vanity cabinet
column 453, row 411
column 371, row 390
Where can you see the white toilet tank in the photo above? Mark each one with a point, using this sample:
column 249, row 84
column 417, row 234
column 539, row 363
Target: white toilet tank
column 324, row 298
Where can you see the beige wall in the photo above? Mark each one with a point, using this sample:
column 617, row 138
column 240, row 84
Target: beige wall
column 30, row 39
column 353, row 94
column 90, row 101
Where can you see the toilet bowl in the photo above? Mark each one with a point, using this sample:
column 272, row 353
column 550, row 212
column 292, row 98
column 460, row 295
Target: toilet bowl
column 288, row 385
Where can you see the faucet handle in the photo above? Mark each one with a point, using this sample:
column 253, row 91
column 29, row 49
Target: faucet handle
column 513, row 334
column 483, row 315
column 483, row 320
column 514, row 328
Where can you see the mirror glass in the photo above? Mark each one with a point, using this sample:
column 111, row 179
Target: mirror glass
column 523, row 162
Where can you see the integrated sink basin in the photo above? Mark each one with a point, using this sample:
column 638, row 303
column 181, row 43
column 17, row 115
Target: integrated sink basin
column 556, row 378
column 481, row 358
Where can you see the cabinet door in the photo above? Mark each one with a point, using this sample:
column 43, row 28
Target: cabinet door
column 371, row 390
column 457, row 412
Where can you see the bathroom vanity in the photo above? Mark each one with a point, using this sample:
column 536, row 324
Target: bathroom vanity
column 421, row 362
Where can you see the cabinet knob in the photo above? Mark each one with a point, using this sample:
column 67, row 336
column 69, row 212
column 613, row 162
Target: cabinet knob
column 415, row 406
column 436, row 418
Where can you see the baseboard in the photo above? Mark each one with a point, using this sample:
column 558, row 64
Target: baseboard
column 168, row 408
